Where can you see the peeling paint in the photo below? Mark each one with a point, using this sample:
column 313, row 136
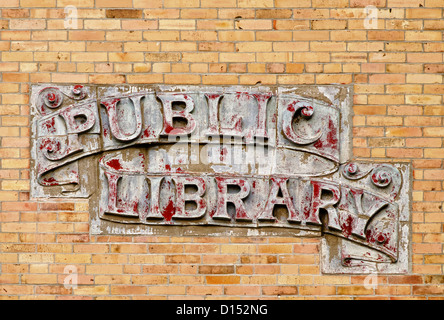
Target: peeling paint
column 260, row 159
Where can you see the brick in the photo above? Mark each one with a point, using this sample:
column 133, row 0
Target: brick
column 220, row 79
column 162, row 13
column 91, row 290
column 428, row 290
column 150, row 279
column 216, row 46
column 196, row 35
column 424, row 78
column 90, row 56
column 433, row 68
column 218, row 3
column 422, row 121
column 17, row 56
column 433, row 279
column 273, row 13
column 348, row 35
column 385, row 35
column 124, row 13
column 9, row 3
column 290, row 3
column 223, row 280
column 77, row 3
column 354, row 290
column 39, row 279
column 16, row 289
column 128, row 290
column 237, row 36
column 168, row 290
column 69, row 77
column 433, row 47
column 423, row 36
column 330, row 78
column 42, row 3
column 139, row 24
column 327, row 46
column 290, row 46
column 291, row 25
column 423, row 142
column 114, row 4
column 255, row 24
column 317, row 290
column 87, row 35
column 102, row 24
column 214, row 24
column 404, row 153
column 433, row 25
column 184, row 24
column 204, row 290
column 149, row 78
column 147, row 3
column 331, row 25
column 387, row 78
column 126, row 57
column 364, row 3
column 181, row 279
column 104, row 46
column 27, row 24
column 178, row 46
column 423, row 99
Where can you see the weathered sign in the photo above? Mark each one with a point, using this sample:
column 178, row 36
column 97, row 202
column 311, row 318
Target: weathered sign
column 221, row 161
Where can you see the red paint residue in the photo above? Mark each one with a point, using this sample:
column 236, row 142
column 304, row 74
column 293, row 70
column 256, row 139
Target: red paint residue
column 223, row 154
column 168, row 128
column 331, row 141
column 274, row 118
column 262, row 97
column 288, row 131
column 291, row 106
column 78, row 87
column 379, row 238
column 115, row 164
column 347, row 227
column 50, row 145
column 50, row 181
column 169, row 211
column 142, row 161
column 50, row 125
column 135, row 206
column 212, row 96
column 147, row 133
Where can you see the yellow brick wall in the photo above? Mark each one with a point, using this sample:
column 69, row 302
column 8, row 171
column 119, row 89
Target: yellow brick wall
column 397, row 74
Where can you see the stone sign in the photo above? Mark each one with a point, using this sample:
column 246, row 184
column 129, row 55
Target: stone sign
column 222, row 161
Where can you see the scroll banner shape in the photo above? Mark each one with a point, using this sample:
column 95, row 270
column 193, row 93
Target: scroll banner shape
column 261, row 159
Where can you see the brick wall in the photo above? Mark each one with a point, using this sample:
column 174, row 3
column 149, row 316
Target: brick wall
column 397, row 74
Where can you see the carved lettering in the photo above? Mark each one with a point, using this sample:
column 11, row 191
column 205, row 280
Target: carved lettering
column 242, row 158
column 223, row 197
column 182, row 197
column 169, row 114
column 117, row 132
column 318, row 202
column 279, row 184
